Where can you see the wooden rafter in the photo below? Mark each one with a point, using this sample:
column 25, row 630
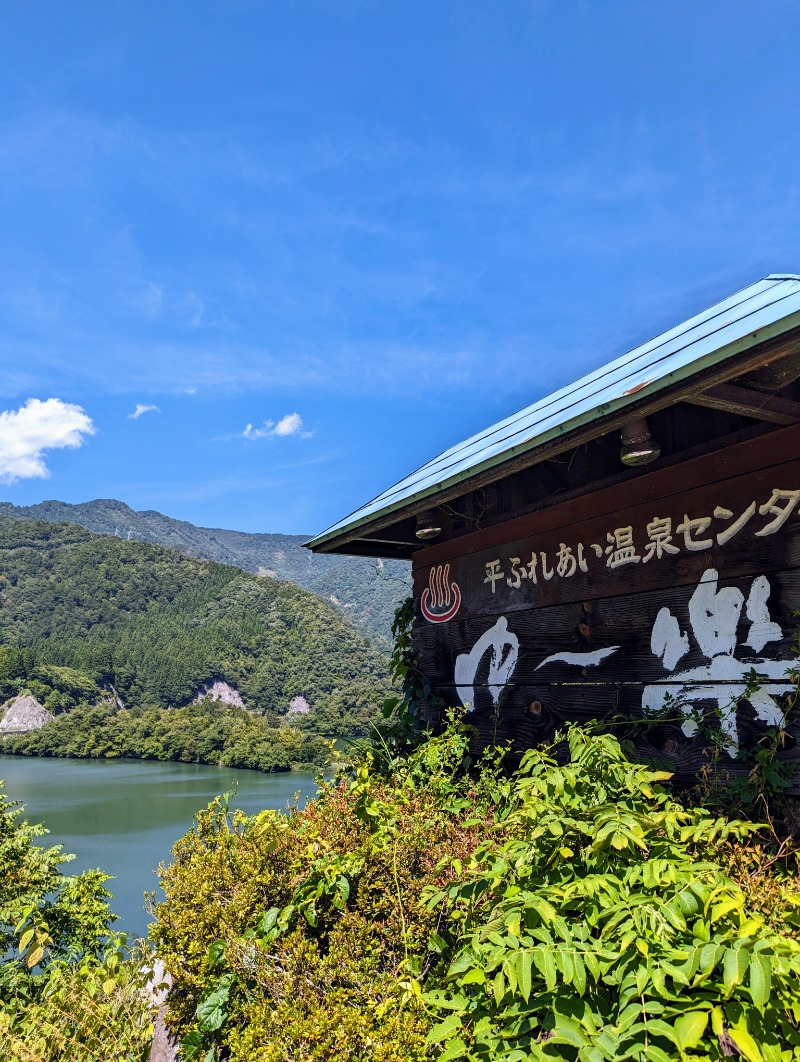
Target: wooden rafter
column 730, row 398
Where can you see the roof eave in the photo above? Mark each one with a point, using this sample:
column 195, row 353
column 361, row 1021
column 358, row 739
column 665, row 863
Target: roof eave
column 340, row 535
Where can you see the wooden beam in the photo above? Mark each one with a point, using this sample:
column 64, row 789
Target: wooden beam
column 733, row 399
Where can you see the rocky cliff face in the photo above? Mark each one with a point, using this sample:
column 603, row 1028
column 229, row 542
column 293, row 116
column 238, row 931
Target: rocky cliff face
column 21, row 714
column 219, row 691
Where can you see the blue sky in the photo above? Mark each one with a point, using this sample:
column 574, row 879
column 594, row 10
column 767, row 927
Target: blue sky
column 364, row 229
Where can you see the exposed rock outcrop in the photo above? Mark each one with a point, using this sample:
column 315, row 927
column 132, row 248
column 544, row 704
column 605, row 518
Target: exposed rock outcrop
column 165, row 1045
column 23, row 713
column 219, row 691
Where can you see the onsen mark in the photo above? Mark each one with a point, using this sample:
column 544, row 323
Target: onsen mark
column 440, row 595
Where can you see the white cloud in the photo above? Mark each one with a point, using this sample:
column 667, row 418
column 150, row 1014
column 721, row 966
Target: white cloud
column 141, row 409
column 26, row 433
column 291, row 424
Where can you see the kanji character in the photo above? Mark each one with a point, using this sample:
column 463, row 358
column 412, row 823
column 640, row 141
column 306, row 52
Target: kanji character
column 545, row 573
column 531, row 568
column 781, row 513
column 517, row 574
column 621, row 549
column 736, row 526
column 494, row 573
column 567, row 562
column 762, row 627
column 714, row 616
column 689, row 527
column 503, row 645
column 659, row 531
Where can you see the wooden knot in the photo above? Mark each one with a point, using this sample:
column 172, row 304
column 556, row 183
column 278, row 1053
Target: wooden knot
column 585, row 630
column 535, row 708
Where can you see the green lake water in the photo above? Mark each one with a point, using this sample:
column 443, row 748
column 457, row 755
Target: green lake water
column 124, row 815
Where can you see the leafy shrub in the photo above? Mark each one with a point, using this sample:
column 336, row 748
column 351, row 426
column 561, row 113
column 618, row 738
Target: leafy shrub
column 68, row 990
column 421, row 909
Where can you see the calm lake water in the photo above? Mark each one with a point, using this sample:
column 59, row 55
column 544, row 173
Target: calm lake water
column 124, row 815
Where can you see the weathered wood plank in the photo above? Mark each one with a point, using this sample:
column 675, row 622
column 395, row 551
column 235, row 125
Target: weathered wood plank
column 672, row 656
column 624, row 623
column 738, row 526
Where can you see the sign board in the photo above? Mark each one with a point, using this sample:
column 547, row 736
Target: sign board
column 655, row 600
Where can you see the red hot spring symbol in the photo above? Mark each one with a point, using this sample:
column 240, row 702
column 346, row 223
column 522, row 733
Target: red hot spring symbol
column 441, row 599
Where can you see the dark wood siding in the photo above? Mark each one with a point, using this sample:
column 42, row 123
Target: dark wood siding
column 649, row 600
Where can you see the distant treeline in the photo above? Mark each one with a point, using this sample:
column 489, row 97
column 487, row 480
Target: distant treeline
column 200, row 733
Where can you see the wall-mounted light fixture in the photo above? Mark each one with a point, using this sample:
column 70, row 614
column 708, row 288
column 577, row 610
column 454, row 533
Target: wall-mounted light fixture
column 426, row 526
column 638, row 445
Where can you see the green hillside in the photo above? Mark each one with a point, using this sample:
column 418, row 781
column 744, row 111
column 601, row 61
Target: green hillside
column 79, row 610
column 366, row 591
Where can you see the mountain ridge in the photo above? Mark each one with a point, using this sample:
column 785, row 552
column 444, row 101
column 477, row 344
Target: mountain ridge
column 364, row 590
column 81, row 612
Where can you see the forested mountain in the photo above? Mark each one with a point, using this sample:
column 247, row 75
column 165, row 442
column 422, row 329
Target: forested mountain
column 365, row 590
column 79, row 610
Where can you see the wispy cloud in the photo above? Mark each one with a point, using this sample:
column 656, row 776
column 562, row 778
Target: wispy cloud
column 26, row 433
column 141, row 410
column 291, row 424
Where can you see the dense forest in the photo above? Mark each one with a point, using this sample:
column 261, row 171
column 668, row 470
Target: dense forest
column 83, row 615
column 364, row 590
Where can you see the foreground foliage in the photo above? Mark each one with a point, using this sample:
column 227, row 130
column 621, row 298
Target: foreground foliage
column 200, row 733
column 68, row 989
column 570, row 909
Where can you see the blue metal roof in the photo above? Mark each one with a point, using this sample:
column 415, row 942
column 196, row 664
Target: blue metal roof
column 753, row 315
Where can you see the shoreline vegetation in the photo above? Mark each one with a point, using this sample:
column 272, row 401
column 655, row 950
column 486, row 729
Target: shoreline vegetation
column 205, row 733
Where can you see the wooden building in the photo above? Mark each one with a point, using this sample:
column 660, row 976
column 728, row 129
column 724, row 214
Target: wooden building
column 626, row 547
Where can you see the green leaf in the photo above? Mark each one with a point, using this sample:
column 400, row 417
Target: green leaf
column 212, row 1010
column 525, row 978
column 437, row 944
column 579, row 975
column 689, row 1029
column 760, row 979
column 660, row 1028
column 444, row 1030
column 746, row 1044
column 215, row 954
column 567, row 1031
column 655, row 1054
column 191, row 1045
column 549, row 970
column 733, row 969
column 455, row 1049
column 709, row 957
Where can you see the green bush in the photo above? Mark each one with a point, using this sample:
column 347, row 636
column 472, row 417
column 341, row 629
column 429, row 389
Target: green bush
column 423, row 909
column 68, row 989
